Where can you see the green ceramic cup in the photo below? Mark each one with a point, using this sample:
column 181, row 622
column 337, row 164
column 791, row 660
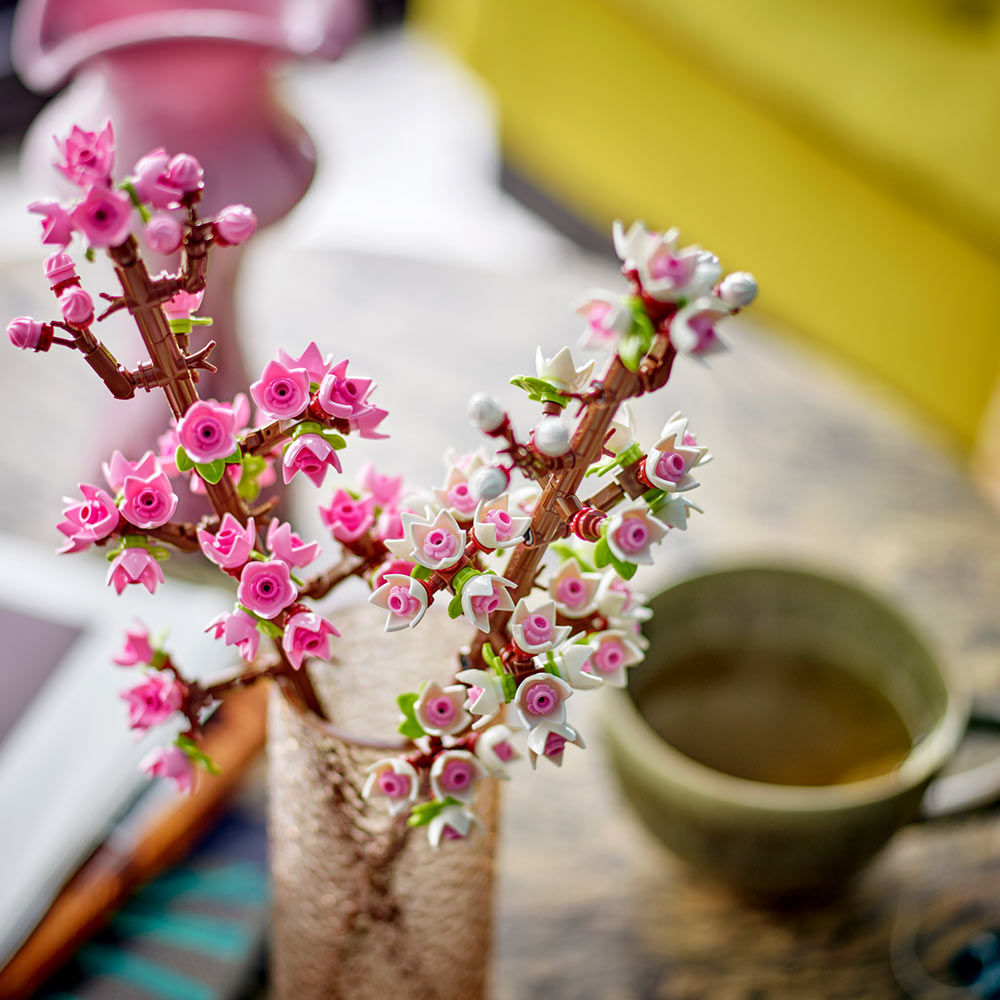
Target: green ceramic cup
column 779, row 839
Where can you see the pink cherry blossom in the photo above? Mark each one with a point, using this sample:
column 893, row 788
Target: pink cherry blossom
column 207, row 431
column 135, row 565
column 231, row 545
column 402, row 597
column 148, row 503
column 536, row 631
column 281, row 392
column 366, row 422
column 149, row 178
column 137, row 648
column 163, row 233
column 348, row 519
column 153, row 701
column 238, row 629
column 311, row 359
column 234, row 225
column 57, row 224
column 28, row 334
column 104, row 217
column 343, row 397
column 119, row 467
column 87, row 157
column 288, row 547
column 89, row 520
column 310, row 454
column 76, row 306
column 59, row 267
column 455, row 774
column 385, row 489
column 389, row 525
column 307, row 634
column 631, row 533
column 266, row 588
column 170, row 762
column 439, row 710
column 183, row 304
column 393, row 779
column 394, row 566
column 185, row 172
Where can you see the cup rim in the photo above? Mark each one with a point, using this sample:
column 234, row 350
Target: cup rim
column 625, row 724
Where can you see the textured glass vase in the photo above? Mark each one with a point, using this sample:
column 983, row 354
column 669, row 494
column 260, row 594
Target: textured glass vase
column 364, row 908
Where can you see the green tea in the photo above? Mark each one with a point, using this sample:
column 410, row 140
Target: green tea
column 788, row 720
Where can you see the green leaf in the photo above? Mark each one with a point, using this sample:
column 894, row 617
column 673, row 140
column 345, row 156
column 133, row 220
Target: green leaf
column 602, row 553
column 566, row 551
column 540, row 390
column 212, row 472
column 631, row 351
column 196, row 754
column 489, row 657
column 306, row 427
column 184, row 463
column 420, row 573
column 410, row 727
column 235, row 458
column 422, row 813
column 455, row 606
column 334, row 440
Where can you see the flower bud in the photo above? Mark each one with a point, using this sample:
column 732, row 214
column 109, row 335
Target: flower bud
column 234, row 225
column 551, row 437
column 59, row 267
column 26, row 333
column 485, row 412
column 738, row 289
column 163, row 233
column 488, row 482
column 76, row 306
column 184, row 172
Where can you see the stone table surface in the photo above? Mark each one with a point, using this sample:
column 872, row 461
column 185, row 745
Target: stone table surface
column 811, row 466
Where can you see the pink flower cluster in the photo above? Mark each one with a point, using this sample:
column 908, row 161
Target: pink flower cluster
column 375, row 511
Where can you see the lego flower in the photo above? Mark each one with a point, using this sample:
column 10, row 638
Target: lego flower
column 439, row 710
column 613, row 653
column 393, row 779
column 495, row 750
column 312, row 455
column 403, row 597
column 631, row 533
column 76, row 306
column 207, row 431
column 307, row 634
column 670, row 461
column 456, row 494
column 452, row 823
column 266, row 588
column 673, row 511
column 86, row 521
column 231, row 545
column 163, row 233
column 170, row 762
column 234, row 224
column 608, row 319
column 549, row 741
column 151, row 183
column 135, row 565
column 494, row 527
column 118, row 467
column 185, row 173
column 182, row 305
column 617, row 600
column 574, row 591
column 665, row 272
column 57, row 224
column 738, row 290
column 561, row 370
column 286, row 545
column 58, row 268
column 148, row 503
column 692, row 330
column 343, row 397
column 572, row 660
column 541, row 699
column 484, row 697
column 387, row 490
column 87, row 157
column 536, row 631
column 483, row 595
column 311, row 359
column 436, row 544
column 153, row 701
column 137, row 648
column 237, row 628
column 104, row 217
column 454, row 774
column 348, row 519
column 281, row 393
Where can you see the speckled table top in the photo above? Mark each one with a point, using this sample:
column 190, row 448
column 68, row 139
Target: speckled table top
column 810, row 466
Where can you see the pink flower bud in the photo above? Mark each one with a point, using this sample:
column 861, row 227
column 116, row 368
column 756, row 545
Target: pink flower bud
column 234, row 225
column 486, row 604
column 183, row 304
column 441, row 710
column 153, row 701
column 281, row 393
column 670, row 466
column 148, row 503
column 170, row 762
column 537, row 629
column 541, row 699
column 59, row 267
column 207, row 431
column 461, row 498
column 266, row 588
column 163, row 233
column 104, row 217
column 393, row 785
column 440, row 544
column 632, row 536
column 76, row 306
column 572, row 592
column 457, row 775
column 185, row 172
column 307, row 634
column 402, row 603
column 609, row 656
column 136, row 565
column 501, row 520
column 27, row 333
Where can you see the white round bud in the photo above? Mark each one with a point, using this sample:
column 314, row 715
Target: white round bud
column 488, row 482
column 738, row 289
column 485, row 412
column 551, row 437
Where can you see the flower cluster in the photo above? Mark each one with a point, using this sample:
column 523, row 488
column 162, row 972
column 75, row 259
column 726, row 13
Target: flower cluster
column 545, row 633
